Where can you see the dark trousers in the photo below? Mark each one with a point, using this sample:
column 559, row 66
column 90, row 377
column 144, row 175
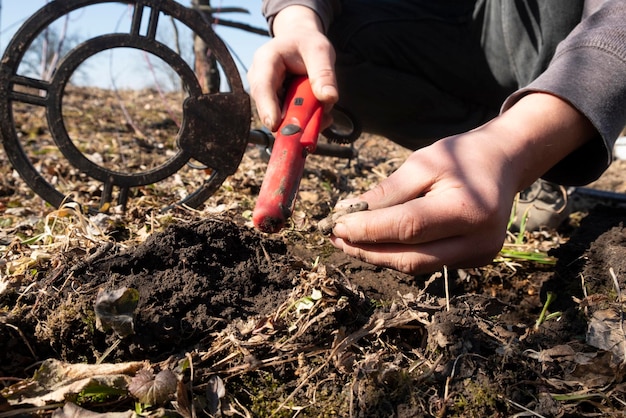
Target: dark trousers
column 417, row 71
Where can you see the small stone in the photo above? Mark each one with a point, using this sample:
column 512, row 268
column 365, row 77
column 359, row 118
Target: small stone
column 326, row 225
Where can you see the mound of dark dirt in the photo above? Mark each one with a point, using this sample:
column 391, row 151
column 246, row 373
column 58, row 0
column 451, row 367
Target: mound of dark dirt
column 596, row 246
column 192, row 279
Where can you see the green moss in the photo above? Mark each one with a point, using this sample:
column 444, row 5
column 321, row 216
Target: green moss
column 167, row 220
column 88, row 318
column 262, row 394
column 477, row 400
column 259, row 392
column 325, row 250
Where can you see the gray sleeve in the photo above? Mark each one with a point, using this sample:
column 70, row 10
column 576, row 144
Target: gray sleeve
column 589, row 71
column 325, row 9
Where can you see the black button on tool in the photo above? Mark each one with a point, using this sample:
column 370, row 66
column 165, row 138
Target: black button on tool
column 290, row 129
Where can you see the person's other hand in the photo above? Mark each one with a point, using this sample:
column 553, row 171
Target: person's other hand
column 299, row 47
column 449, row 203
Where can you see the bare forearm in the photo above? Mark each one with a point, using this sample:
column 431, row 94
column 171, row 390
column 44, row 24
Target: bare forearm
column 538, row 132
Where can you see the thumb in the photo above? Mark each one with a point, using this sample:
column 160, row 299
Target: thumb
column 320, row 70
column 324, row 86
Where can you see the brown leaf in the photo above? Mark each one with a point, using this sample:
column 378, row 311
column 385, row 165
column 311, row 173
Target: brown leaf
column 115, row 309
column 55, row 380
column 606, row 332
column 153, row 390
column 71, row 410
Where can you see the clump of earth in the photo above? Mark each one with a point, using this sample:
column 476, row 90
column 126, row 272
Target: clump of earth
column 191, row 280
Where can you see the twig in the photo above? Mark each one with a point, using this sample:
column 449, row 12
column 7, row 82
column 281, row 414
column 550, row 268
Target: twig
column 431, row 368
column 19, row 331
column 177, row 47
column 265, row 253
column 522, row 407
column 621, row 311
column 618, row 400
column 303, row 328
column 33, row 410
column 615, row 284
column 582, row 284
column 157, row 85
column 127, row 116
column 99, row 252
column 191, row 377
column 243, row 26
column 453, row 372
column 355, row 336
column 51, row 66
column 445, row 280
column 271, row 362
column 209, row 354
column 109, row 350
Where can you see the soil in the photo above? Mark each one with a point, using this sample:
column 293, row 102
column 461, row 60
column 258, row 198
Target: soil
column 292, row 327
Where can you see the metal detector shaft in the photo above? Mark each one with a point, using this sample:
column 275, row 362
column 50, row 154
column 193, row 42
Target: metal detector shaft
column 600, row 194
column 266, row 139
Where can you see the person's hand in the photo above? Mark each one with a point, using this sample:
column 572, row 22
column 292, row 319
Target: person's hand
column 299, row 47
column 449, row 203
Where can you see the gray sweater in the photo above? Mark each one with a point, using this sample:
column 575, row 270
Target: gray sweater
column 588, row 70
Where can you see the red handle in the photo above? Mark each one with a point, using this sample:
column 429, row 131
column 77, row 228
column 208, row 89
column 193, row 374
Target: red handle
column 295, row 139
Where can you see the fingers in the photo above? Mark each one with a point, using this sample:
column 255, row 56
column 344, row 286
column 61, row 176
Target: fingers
column 448, row 204
column 320, row 70
column 411, row 180
column 449, row 228
column 428, row 218
column 310, row 54
column 424, row 258
column 266, row 76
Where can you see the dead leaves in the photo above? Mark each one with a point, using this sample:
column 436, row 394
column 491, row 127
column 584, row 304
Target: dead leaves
column 115, row 309
column 153, row 390
column 63, row 386
column 606, row 332
column 55, row 381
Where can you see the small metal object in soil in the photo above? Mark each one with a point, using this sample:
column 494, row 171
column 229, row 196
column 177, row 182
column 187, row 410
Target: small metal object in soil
column 326, row 225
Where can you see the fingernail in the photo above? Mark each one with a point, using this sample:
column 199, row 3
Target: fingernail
column 328, row 91
column 267, row 121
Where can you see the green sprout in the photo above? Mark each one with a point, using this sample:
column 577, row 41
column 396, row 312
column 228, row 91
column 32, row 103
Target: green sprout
column 543, row 316
column 538, row 257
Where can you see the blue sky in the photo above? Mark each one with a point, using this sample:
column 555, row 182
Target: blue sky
column 14, row 12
